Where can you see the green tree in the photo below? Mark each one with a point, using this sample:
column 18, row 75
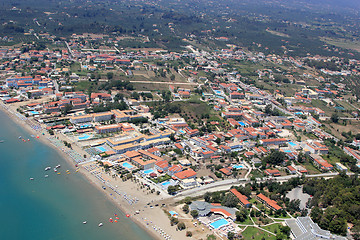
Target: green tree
column 194, row 213
column 110, row 75
column 181, row 226
column 231, row 235
column 185, row 208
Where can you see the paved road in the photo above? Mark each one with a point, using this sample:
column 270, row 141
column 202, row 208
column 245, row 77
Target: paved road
column 175, row 83
column 226, row 184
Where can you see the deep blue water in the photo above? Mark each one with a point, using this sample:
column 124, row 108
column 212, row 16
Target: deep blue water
column 53, row 207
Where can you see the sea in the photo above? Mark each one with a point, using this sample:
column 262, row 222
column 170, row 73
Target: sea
column 54, row 207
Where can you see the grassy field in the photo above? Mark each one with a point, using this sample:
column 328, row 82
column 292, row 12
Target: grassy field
column 274, row 228
column 347, row 44
column 310, row 168
column 257, row 234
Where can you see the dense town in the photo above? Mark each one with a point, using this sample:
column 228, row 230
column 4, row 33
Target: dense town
column 188, row 124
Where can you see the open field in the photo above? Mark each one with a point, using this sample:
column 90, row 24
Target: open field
column 257, row 234
column 343, row 43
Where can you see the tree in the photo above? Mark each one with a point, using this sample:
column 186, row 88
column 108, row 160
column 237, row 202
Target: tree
column 230, row 200
column 185, row 208
column 172, row 77
column 172, row 190
column 275, row 157
column 110, row 75
column 188, row 234
column 231, row 235
column 135, row 95
column 181, row 226
column 334, row 118
column 194, row 213
column 207, row 197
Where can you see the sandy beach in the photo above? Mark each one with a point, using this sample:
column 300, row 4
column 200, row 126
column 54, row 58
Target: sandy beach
column 148, row 210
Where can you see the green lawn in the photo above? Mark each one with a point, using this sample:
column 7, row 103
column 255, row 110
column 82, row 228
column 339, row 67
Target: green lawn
column 310, row 168
column 274, row 228
column 256, row 234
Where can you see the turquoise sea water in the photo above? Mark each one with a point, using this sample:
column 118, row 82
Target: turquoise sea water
column 53, row 207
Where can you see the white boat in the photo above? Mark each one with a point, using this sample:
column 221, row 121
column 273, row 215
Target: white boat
column 1, row 141
column 101, row 224
column 31, row 178
column 84, row 222
column 55, row 170
column 58, row 166
column 47, row 168
column 46, row 175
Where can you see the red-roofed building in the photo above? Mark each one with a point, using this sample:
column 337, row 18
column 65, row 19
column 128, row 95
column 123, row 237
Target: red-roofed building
column 268, row 202
column 242, row 198
column 186, row 174
column 272, row 172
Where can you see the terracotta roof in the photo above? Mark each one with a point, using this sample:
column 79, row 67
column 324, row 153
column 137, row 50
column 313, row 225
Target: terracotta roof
column 185, row 174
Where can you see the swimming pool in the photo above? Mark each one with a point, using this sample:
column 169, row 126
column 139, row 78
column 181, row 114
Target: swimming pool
column 34, row 113
column 239, row 166
column 127, row 165
column 287, row 151
column 292, row 144
column 165, row 183
column 182, row 131
column 83, row 137
column 101, row 148
column 85, row 126
column 217, row 91
column 219, row 223
column 242, row 123
column 148, row 171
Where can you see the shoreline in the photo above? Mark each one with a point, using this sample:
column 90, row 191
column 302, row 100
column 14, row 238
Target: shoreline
column 119, row 203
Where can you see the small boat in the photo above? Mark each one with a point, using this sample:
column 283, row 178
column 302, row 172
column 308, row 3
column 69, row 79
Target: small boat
column 31, row 178
column 84, row 222
column 111, row 220
column 68, row 173
column 104, row 187
column 55, row 170
column 101, row 224
column 58, row 173
column 115, row 221
column 1, row 141
column 19, row 137
column 47, row 168
column 57, row 166
column 127, row 215
column 28, row 139
column 46, row 175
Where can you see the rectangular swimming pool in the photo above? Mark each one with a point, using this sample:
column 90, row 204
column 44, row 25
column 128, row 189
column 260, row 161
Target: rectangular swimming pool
column 165, row 183
column 292, row 144
column 148, row 171
column 83, row 137
column 101, row 148
column 127, row 165
column 219, row 223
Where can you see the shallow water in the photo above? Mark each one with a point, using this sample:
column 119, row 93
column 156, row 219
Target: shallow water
column 53, row 207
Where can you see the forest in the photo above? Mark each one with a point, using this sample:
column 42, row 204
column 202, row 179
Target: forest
column 335, row 202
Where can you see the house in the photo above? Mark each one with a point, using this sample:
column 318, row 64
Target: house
column 321, row 163
column 272, row 172
column 108, row 128
column 242, row 198
column 189, row 173
column 274, row 141
column 268, row 202
column 291, row 169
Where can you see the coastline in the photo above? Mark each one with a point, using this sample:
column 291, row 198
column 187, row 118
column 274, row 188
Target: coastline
column 119, row 202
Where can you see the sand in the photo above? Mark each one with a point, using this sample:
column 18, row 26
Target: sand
column 151, row 219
